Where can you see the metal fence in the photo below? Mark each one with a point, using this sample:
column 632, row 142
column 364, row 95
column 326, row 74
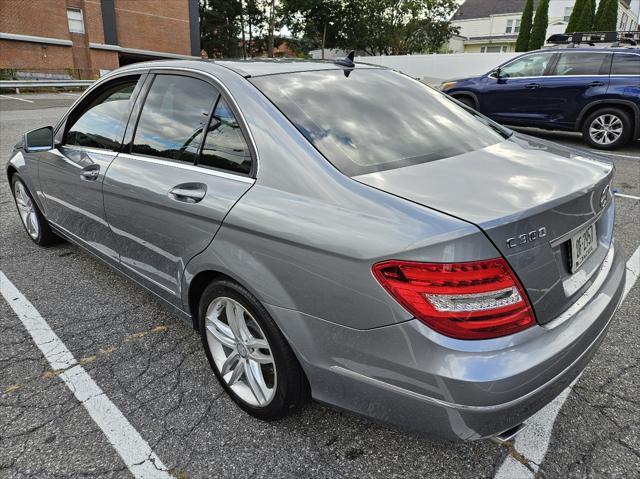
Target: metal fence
column 37, row 84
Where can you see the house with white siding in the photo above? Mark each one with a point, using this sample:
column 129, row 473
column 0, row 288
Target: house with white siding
column 492, row 26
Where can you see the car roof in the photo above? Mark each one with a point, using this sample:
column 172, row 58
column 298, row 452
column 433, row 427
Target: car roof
column 621, row 49
column 249, row 68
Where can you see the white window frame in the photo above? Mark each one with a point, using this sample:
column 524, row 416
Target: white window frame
column 485, row 48
column 513, row 25
column 73, row 22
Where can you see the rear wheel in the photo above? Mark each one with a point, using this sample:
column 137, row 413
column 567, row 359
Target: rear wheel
column 33, row 221
column 607, row 129
column 248, row 353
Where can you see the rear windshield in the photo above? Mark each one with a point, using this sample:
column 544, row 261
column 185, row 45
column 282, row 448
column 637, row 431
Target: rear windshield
column 374, row 119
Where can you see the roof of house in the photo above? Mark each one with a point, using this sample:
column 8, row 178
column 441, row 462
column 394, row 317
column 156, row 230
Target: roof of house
column 485, row 8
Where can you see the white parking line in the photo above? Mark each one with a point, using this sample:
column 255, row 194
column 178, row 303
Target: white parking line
column 616, row 155
column 15, row 98
column 132, row 448
column 622, row 195
column 533, row 441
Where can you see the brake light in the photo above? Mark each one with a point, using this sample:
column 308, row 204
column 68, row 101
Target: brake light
column 471, row 300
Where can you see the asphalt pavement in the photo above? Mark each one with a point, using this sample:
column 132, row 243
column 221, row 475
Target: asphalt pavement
column 151, row 366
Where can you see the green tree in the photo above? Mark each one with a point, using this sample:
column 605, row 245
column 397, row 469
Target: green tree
column 585, row 23
column 522, row 43
column 315, row 20
column 394, row 27
column 220, row 27
column 540, row 24
column 607, row 16
column 575, row 16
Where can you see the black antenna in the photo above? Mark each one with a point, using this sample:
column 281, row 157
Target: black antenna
column 347, row 61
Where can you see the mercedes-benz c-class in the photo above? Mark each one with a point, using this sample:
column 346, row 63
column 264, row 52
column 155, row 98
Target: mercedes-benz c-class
column 338, row 232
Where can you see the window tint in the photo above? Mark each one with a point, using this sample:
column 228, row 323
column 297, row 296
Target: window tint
column 529, row 66
column 102, row 124
column 374, row 119
column 224, row 146
column 580, row 63
column 625, row 64
column 173, row 117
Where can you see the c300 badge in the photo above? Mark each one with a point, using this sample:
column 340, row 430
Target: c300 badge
column 529, row 237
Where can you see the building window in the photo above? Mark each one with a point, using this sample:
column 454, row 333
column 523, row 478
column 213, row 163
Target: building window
column 623, row 22
column 494, row 49
column 513, row 26
column 567, row 14
column 76, row 22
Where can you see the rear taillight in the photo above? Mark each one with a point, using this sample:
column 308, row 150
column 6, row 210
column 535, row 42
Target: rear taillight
column 471, row 300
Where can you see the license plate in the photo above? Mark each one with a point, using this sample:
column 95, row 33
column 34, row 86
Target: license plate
column 583, row 244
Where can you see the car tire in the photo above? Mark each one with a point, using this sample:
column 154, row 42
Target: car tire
column 238, row 334
column 607, row 129
column 467, row 101
column 31, row 217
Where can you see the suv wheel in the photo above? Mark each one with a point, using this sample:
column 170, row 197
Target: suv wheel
column 607, row 129
column 248, row 354
column 465, row 100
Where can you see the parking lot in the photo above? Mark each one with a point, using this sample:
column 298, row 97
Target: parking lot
column 151, row 367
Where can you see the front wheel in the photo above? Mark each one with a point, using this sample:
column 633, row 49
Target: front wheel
column 33, row 221
column 607, row 129
column 248, row 353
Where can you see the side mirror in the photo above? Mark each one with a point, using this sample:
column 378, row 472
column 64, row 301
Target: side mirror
column 39, row 140
column 497, row 73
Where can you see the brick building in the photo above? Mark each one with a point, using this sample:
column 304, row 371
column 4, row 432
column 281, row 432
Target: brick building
column 82, row 38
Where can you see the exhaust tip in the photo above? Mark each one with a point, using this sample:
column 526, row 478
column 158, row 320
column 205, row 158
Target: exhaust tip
column 509, row 434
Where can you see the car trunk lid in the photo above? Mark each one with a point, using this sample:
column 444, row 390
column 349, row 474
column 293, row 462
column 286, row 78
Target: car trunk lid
column 529, row 197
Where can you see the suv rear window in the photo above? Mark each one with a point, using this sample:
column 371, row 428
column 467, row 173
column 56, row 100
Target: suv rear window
column 625, row 64
column 373, row 119
column 581, row 63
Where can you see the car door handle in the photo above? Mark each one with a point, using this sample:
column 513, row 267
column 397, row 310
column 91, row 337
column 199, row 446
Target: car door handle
column 596, row 83
column 91, row 172
column 188, row 192
column 532, row 86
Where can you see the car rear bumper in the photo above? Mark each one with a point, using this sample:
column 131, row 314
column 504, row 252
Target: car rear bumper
column 412, row 377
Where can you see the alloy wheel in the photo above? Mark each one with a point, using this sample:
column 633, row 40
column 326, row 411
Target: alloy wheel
column 606, row 129
column 241, row 351
column 26, row 209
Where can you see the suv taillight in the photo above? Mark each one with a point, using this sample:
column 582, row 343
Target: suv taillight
column 471, row 300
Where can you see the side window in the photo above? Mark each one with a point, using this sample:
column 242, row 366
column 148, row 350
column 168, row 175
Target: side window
column 625, row 64
column 528, row 66
column 173, row 118
column 102, row 124
column 580, row 63
column 224, row 146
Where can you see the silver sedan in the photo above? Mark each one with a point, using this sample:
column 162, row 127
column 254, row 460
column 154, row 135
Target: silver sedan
column 339, row 232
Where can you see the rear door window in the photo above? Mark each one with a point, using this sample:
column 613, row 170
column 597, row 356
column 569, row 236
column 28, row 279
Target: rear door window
column 102, row 123
column 581, row 63
column 173, row 118
column 224, row 146
column 625, row 64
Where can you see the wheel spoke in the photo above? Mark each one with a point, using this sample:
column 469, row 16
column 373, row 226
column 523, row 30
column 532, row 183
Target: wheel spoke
column 237, row 372
column 235, row 318
column 33, row 222
column 259, row 357
column 215, row 328
column 230, row 362
column 256, row 382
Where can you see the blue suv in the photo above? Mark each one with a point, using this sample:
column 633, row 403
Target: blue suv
column 592, row 90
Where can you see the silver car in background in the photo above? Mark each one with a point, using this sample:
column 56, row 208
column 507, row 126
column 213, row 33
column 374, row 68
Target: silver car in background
column 341, row 232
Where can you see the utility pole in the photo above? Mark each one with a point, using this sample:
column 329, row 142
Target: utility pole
column 244, row 43
column 272, row 21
